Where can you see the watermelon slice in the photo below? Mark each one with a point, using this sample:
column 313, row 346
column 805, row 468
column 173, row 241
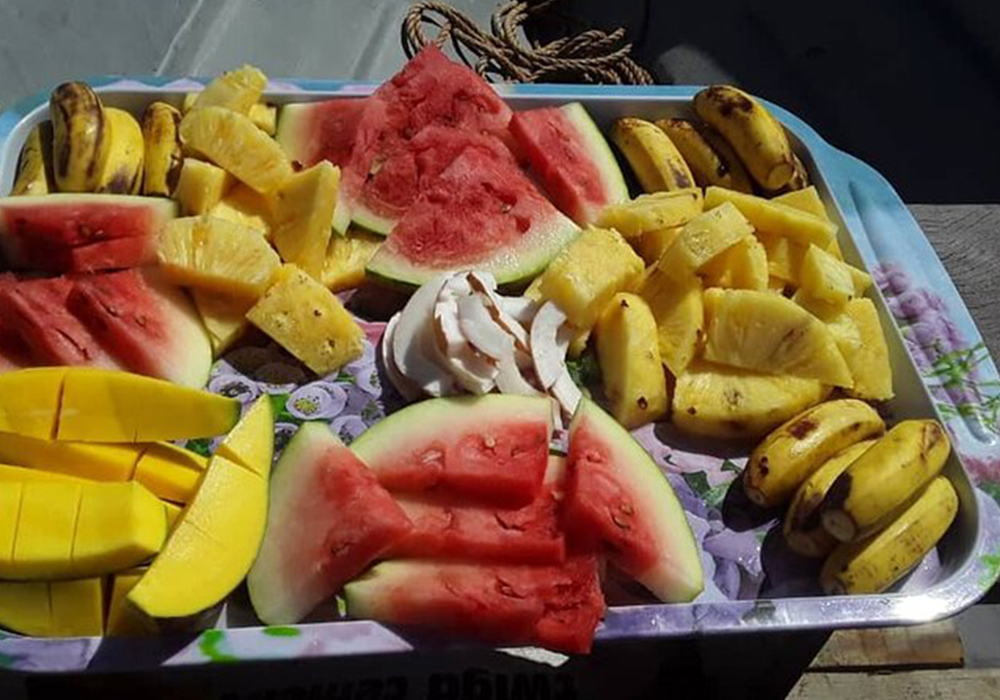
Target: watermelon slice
column 37, row 311
column 553, row 606
column 328, row 520
column 617, row 499
column 571, row 158
column 151, row 327
column 480, row 213
column 14, row 354
column 313, row 131
column 445, row 529
column 81, row 232
column 491, row 448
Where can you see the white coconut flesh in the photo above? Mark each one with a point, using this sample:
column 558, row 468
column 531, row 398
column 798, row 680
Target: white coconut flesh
column 548, row 345
column 480, row 328
column 566, row 392
column 521, row 309
column 509, row 379
column 473, row 371
column 414, row 347
column 495, row 306
column 406, row 388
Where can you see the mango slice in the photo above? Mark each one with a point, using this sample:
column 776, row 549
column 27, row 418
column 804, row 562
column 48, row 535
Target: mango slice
column 77, row 608
column 170, row 472
column 10, row 508
column 119, row 526
column 89, row 460
column 124, row 620
column 107, row 406
column 29, row 401
column 173, row 513
column 10, row 474
column 251, row 442
column 43, row 546
column 24, row 607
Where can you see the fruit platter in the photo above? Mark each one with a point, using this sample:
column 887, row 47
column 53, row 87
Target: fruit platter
column 299, row 368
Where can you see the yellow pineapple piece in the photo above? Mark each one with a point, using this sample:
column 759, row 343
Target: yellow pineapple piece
column 302, row 213
column 828, row 279
column 305, row 318
column 806, row 200
column 231, row 141
column 769, row 333
column 265, row 117
column 868, row 357
column 743, row 266
column 728, row 402
column 598, row 264
column 218, row 256
column 705, row 237
column 649, row 212
column 224, row 318
column 346, row 257
column 676, row 304
column 775, row 217
column 784, row 257
column 187, row 104
column 241, row 205
column 238, row 90
column 629, row 356
column 534, row 290
column 201, row 186
column 578, row 343
column 776, row 285
column 652, row 245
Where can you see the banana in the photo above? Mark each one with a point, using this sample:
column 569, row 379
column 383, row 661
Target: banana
column 803, row 530
column 756, row 136
column 161, row 132
column 80, row 137
column 711, row 159
column 34, row 170
column 654, row 158
column 796, row 449
column 800, row 176
column 874, row 564
column 884, row 479
column 122, row 172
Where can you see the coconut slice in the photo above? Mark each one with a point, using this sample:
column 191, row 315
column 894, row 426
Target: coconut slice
column 481, row 329
column 548, row 344
column 495, row 305
column 456, row 286
column 509, row 379
column 521, row 309
column 414, row 346
column 481, row 280
column 557, row 420
column 406, row 388
column 472, row 370
column 566, row 392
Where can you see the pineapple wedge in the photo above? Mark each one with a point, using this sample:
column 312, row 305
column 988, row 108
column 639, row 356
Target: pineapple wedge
column 241, row 205
column 306, row 319
column 784, row 257
column 217, row 255
column 264, row 117
column 743, row 266
column 230, row 140
column 346, row 257
column 828, row 279
column 676, row 303
column 775, row 217
column 238, row 90
column 868, row 358
column 649, row 212
column 302, row 212
column 728, row 402
column 578, row 343
column 705, row 237
column 598, row 264
column 769, row 333
column 629, row 356
column 652, row 245
column 806, row 200
column 201, row 186
column 224, row 318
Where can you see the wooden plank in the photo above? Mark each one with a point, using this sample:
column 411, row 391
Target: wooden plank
column 964, row 684
column 935, row 645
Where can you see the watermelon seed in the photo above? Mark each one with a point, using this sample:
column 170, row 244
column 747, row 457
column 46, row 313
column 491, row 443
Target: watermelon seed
column 506, row 589
column 621, row 522
column 490, row 442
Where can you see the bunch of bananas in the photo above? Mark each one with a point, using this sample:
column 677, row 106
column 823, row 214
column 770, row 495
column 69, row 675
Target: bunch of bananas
column 873, row 503
column 737, row 145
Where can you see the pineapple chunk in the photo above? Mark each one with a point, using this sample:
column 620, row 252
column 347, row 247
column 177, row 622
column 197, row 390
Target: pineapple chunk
column 868, row 358
column 346, row 257
column 243, row 206
column 578, row 343
column 823, row 310
column 201, row 186
column 231, row 141
column 676, row 303
column 776, row 285
column 728, row 402
column 588, row 272
column 806, row 200
column 218, row 256
column 649, row 212
column 629, row 356
column 302, row 212
column 306, row 319
column 774, row 217
column 652, row 245
column 768, row 333
column 743, row 266
column 264, row 117
column 705, row 237
column 238, row 90
column 828, row 279
column 534, row 290
column 224, row 318
column 784, row 257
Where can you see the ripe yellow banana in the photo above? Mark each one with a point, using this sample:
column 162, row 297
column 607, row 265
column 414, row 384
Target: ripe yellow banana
column 756, row 136
column 80, row 137
column 654, row 158
column 161, row 132
column 884, row 479
column 122, row 172
column 711, row 159
column 802, row 528
column 796, row 449
column 874, row 564
column 34, row 170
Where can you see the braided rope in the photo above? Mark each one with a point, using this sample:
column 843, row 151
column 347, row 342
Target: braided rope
column 593, row 56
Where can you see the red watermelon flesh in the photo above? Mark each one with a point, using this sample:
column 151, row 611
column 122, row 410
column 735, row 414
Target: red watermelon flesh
column 571, row 158
column 148, row 325
column 328, row 520
column 493, row 449
column 314, row 131
column 618, row 501
column 552, row 606
column 36, row 310
column 14, row 354
column 108, row 255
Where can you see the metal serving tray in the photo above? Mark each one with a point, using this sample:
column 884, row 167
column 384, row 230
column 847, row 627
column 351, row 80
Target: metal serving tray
column 941, row 367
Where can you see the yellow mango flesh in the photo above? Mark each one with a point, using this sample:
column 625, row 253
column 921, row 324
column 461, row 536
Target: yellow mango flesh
column 88, row 460
column 29, row 401
column 124, row 620
column 25, row 607
column 107, row 406
column 173, row 514
column 77, row 608
column 43, row 545
column 11, row 474
column 10, row 509
column 170, row 472
column 119, row 526
column 251, row 442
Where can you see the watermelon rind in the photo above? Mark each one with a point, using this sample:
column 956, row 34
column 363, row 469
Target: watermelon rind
column 604, row 157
